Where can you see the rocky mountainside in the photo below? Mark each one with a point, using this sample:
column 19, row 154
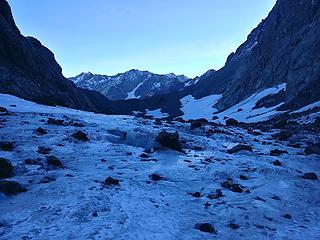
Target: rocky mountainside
column 29, row 70
column 281, row 53
column 131, row 84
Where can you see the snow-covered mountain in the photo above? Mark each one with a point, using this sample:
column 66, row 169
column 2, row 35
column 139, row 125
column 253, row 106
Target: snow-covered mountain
column 131, row 84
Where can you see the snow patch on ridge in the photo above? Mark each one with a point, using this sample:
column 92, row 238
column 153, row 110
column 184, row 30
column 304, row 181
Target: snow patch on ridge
column 199, row 108
column 245, row 112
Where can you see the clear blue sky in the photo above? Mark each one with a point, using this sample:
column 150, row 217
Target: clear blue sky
column 111, row 36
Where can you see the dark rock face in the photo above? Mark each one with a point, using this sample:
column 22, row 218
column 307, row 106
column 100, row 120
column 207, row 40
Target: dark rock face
column 5, row 168
column 6, row 146
column 283, row 48
column 11, row 188
column 169, row 140
column 240, row 147
column 313, row 149
column 30, row 71
column 205, row 227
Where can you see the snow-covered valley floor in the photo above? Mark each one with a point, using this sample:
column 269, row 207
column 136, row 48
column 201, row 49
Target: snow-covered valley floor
column 276, row 203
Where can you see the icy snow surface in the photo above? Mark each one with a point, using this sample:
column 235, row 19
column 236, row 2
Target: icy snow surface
column 199, row 108
column 157, row 113
column 77, row 205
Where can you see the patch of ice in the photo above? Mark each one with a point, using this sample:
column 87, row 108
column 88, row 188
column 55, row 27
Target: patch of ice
column 132, row 94
column 157, row 113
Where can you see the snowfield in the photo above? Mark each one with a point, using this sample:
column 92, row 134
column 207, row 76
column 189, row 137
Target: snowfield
column 276, row 203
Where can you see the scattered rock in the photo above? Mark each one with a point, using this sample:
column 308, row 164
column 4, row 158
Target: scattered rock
column 144, row 155
column 287, row 216
column 5, row 168
column 281, row 123
column 58, row 122
column 41, row 131
column 313, row 149
column 52, row 160
column 232, row 122
column 94, row 214
column 3, row 110
column 76, row 124
column 169, row 140
column 240, row 147
column 277, row 163
column 310, row 176
column 205, row 227
column 196, row 194
column 6, row 146
column 198, row 123
column 242, row 177
column 47, row 179
column 216, row 195
column 31, row 161
column 81, row 136
column 155, row 177
column 233, row 226
column 282, row 136
column 11, row 188
column 226, row 184
column 277, row 152
column 236, row 188
column 43, row 150
column 275, row 197
column 109, row 181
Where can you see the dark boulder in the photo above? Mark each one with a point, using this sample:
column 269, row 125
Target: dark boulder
column 31, row 161
column 41, row 131
column 205, row 227
column 310, row 176
column 232, row 122
column 3, row 110
column 242, row 177
column 52, row 160
column 43, row 150
column 277, row 163
column 81, row 136
column 109, row 181
column 58, row 122
column 155, row 177
column 5, row 168
column 236, row 188
column 240, row 147
column 282, row 136
column 216, row 195
column 6, row 146
column 313, row 149
column 169, row 140
column 11, row 188
column 277, row 152
column 198, row 123
column 233, row 226
column 196, row 194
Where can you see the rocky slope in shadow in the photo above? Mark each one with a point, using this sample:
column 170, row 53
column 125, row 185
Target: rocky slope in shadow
column 29, row 70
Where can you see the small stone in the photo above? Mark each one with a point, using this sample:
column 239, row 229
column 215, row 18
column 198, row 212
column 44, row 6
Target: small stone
column 240, row 147
column 205, row 227
column 216, row 195
column 3, row 110
column 41, row 131
column 31, row 161
column 242, row 177
column 95, row 214
column 236, row 188
column 196, row 194
column 6, row 146
column 52, row 160
column 58, row 122
column 232, row 122
column 277, row 152
column 144, row 155
column 310, row 176
column 11, row 188
column 226, row 184
column 287, row 216
column 43, row 150
column 5, row 168
column 277, row 163
column 47, row 179
column 81, row 136
column 109, row 181
column 233, row 226
column 169, row 140
column 155, row 177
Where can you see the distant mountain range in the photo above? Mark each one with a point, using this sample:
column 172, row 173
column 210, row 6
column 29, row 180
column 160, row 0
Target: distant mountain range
column 132, row 84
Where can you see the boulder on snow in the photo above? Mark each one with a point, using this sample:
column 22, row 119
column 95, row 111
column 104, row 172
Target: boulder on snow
column 109, row 181
column 277, row 163
column 313, row 149
column 59, row 122
column 11, row 187
column 198, row 123
column 3, row 110
column 6, row 146
column 282, row 136
column 43, row 150
column 52, row 160
column 310, row 176
column 215, row 195
column 41, row 131
column 205, row 227
column 240, row 147
column 277, row 152
column 155, row 177
column 81, row 136
column 5, row 168
column 169, row 140
column 232, row 122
